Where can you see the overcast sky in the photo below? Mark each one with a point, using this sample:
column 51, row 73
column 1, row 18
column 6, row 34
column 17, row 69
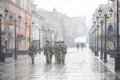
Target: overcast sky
column 71, row 7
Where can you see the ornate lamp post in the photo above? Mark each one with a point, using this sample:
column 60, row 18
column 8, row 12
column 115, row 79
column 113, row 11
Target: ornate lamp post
column 15, row 23
column 92, row 39
column 39, row 42
column 25, row 34
column 19, row 35
column 101, row 55
column 2, row 57
column 96, row 37
column 97, row 29
column 53, row 36
column 36, row 32
column 105, row 16
column 32, row 25
column 29, row 34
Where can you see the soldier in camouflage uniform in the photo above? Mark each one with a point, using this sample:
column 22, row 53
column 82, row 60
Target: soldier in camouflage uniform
column 47, row 52
column 60, row 52
column 64, row 51
column 55, row 51
column 32, row 52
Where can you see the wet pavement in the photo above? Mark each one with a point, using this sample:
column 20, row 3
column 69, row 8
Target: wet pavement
column 79, row 65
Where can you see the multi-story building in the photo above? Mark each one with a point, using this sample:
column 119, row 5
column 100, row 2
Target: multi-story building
column 16, row 9
column 65, row 26
column 54, row 26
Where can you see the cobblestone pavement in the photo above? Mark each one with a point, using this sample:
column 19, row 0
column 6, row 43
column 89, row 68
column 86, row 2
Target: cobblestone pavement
column 79, row 65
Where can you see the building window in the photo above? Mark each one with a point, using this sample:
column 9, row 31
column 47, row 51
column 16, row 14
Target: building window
column 22, row 3
column 25, row 4
column 13, row 1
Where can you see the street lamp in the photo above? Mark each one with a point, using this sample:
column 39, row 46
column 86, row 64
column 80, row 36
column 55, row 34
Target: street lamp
column 97, row 29
column 32, row 25
column 92, row 40
column 96, row 53
column 2, row 57
column 46, row 32
column 29, row 34
column 36, row 33
column 53, row 36
column 15, row 23
column 39, row 42
column 25, row 34
column 101, row 56
column 19, row 42
column 105, row 16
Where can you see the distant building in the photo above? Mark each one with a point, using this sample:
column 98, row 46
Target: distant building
column 54, row 25
column 79, row 26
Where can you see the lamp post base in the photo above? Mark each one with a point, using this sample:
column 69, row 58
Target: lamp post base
column 105, row 61
column 105, row 56
column 117, row 61
column 101, row 55
column 15, row 54
column 96, row 53
column 2, row 57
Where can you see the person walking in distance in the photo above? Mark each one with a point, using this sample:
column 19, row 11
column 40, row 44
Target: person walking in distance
column 47, row 52
column 32, row 52
column 77, row 47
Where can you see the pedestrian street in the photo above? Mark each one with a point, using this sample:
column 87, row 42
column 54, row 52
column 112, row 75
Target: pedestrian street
column 79, row 65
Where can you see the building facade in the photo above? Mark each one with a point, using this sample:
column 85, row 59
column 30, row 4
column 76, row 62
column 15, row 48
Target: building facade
column 17, row 9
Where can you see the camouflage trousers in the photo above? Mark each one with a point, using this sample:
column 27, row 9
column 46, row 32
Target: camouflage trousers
column 48, row 57
column 60, row 57
column 32, row 57
column 56, row 57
